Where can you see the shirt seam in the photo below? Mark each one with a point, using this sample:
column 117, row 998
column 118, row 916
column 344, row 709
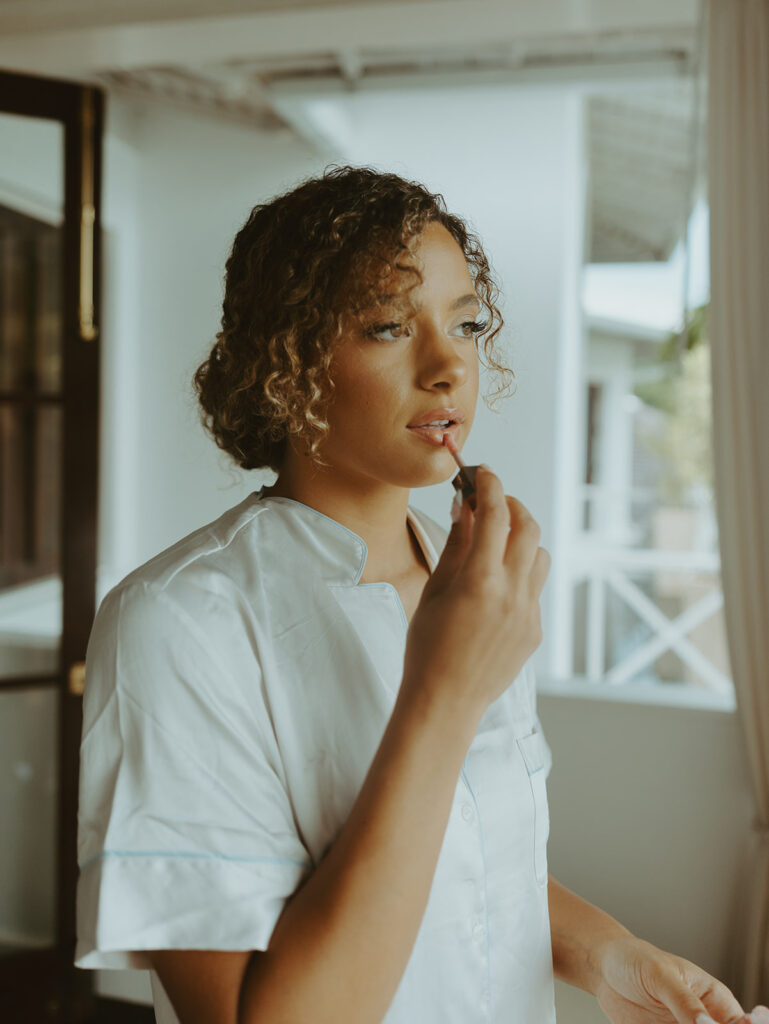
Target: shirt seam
column 137, row 577
column 191, row 855
column 485, row 891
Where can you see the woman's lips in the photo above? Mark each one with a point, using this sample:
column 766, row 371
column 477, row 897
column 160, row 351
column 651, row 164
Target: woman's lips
column 434, row 435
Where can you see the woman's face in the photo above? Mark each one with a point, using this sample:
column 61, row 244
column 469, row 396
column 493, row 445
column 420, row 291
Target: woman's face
column 414, row 353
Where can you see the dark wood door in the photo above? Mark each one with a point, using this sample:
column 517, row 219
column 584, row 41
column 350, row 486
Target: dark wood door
column 50, row 173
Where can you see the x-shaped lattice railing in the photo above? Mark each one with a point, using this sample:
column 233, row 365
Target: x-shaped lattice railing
column 669, row 634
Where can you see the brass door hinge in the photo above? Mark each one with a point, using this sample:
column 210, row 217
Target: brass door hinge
column 88, row 328
column 76, row 681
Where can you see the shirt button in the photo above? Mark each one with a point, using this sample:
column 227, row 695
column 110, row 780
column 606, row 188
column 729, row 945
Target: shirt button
column 478, row 932
column 467, row 812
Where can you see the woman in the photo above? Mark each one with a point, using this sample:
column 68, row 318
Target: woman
column 312, row 771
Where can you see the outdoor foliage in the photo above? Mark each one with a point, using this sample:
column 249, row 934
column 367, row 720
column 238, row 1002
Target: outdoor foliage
column 682, row 437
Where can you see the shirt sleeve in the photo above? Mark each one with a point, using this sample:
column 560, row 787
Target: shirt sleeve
column 186, row 835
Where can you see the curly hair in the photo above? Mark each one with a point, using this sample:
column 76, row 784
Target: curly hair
column 299, row 266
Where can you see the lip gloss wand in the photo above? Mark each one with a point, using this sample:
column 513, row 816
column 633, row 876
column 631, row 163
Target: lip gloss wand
column 464, row 481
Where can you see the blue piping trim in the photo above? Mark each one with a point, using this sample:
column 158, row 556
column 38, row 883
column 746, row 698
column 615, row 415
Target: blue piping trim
column 188, row 855
column 485, row 886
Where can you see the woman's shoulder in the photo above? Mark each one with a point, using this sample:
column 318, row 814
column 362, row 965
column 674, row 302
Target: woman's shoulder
column 180, row 617
column 209, row 547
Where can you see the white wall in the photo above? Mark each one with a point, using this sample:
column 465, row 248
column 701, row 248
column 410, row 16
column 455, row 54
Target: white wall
column 177, row 189
column 650, row 810
column 649, row 805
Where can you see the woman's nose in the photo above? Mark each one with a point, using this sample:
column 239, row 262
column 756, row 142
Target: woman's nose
column 442, row 361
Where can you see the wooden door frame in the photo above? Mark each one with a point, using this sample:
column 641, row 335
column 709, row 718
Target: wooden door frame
column 80, row 111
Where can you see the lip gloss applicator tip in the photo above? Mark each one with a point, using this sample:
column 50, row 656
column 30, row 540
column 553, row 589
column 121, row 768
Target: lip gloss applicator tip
column 451, row 444
column 464, row 481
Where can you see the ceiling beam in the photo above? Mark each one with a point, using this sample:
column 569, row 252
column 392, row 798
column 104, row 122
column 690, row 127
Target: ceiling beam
column 404, row 26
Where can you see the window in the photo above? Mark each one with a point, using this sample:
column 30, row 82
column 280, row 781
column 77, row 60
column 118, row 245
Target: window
column 644, row 578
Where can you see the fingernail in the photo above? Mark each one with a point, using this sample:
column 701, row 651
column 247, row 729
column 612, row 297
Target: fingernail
column 456, row 509
column 759, row 1015
column 704, row 1019
column 487, row 467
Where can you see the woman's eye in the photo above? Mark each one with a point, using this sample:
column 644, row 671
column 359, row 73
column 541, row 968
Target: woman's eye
column 389, row 332
column 470, row 328
column 394, row 330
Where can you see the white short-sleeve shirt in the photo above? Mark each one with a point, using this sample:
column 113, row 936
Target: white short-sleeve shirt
column 237, row 688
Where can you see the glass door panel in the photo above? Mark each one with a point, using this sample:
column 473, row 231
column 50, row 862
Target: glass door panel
column 50, row 185
column 30, row 318
column 28, row 809
column 31, row 217
column 30, row 529
column 31, row 458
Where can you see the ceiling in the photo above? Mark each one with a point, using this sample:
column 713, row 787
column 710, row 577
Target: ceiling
column 233, row 65
column 646, row 158
column 640, row 143
column 51, row 15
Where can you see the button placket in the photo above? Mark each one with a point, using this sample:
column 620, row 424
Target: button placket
column 477, row 923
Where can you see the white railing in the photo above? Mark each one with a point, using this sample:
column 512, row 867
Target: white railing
column 607, row 566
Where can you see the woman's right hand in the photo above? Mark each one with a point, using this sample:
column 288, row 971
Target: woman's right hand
column 478, row 620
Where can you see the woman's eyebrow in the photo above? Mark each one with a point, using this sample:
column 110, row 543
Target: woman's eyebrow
column 463, row 300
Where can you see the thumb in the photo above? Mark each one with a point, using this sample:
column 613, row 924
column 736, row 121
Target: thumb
column 686, row 1006
column 457, row 543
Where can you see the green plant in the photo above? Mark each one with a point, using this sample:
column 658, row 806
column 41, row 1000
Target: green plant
column 682, row 438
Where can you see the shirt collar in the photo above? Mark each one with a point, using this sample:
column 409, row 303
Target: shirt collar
column 338, row 553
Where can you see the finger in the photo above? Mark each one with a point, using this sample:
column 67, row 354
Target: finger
column 721, row 1004
column 523, row 538
column 455, row 549
column 491, row 521
column 716, row 1004
column 539, row 574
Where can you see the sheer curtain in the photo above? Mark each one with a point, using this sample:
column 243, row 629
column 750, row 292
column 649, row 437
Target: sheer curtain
column 738, row 155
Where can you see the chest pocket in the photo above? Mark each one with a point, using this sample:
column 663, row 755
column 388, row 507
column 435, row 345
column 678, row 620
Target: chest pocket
column 532, row 748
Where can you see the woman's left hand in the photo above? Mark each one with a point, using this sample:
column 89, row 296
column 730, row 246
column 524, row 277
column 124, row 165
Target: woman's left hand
column 641, row 984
